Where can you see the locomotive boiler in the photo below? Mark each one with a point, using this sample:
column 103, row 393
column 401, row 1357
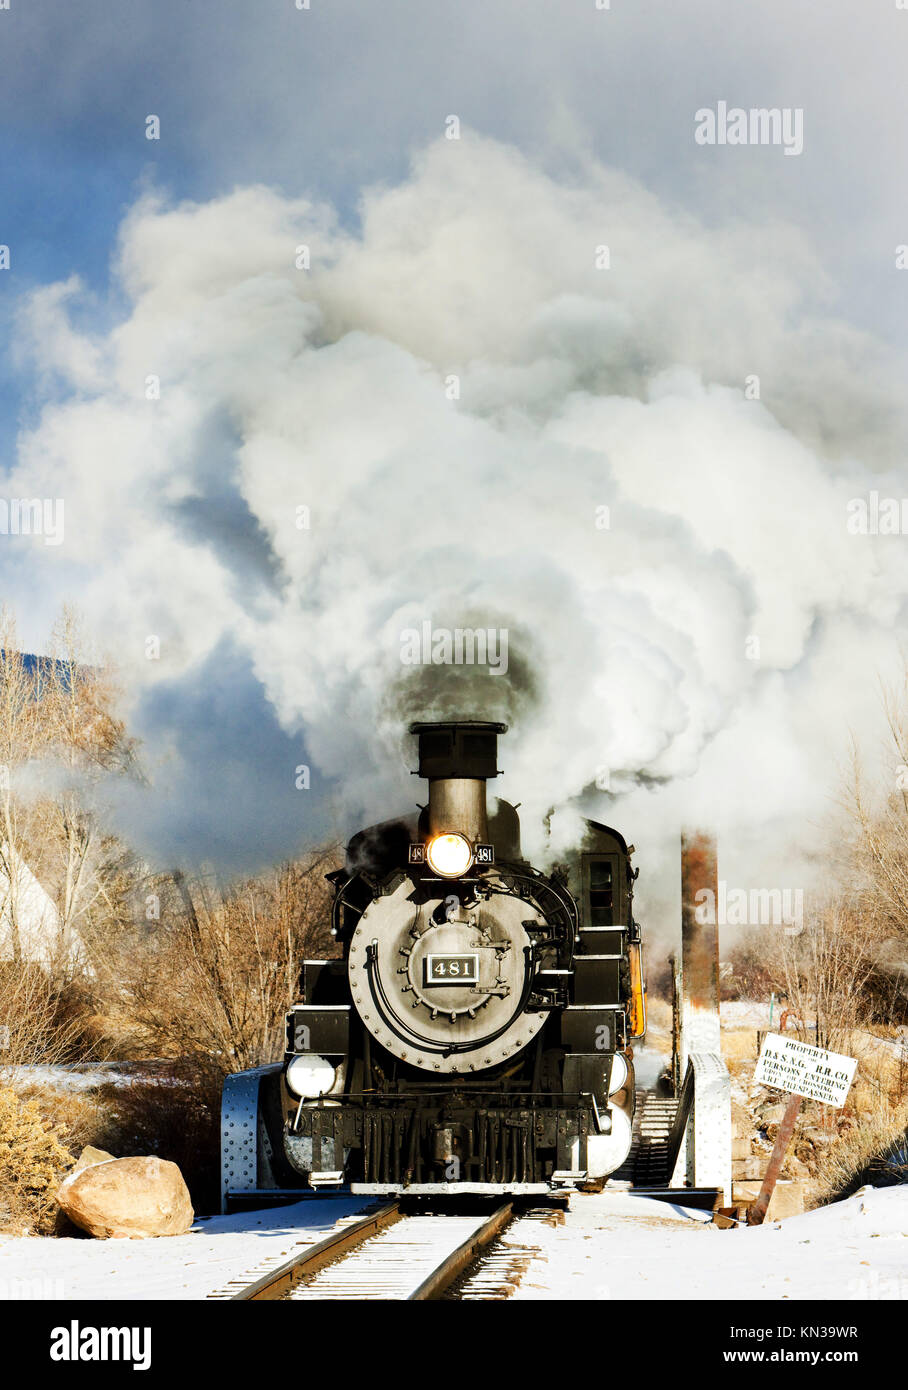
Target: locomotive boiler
column 475, row 1031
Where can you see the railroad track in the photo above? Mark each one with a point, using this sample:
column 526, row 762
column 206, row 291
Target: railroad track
column 386, row 1254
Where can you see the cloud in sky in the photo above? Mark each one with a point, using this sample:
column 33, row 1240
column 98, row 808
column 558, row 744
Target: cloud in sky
column 338, row 96
column 330, row 389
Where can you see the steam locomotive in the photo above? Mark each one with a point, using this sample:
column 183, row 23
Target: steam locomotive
column 475, row 1034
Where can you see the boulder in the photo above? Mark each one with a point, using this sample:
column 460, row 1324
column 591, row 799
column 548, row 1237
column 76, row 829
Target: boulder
column 62, row 1224
column 127, row 1197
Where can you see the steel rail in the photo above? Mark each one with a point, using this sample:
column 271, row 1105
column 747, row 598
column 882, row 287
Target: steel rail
column 460, row 1259
column 417, row 1259
column 278, row 1282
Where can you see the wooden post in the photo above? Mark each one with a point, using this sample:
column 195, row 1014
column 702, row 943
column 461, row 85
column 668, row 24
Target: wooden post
column 758, row 1210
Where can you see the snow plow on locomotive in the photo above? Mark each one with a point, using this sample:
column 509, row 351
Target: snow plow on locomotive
column 475, row 1033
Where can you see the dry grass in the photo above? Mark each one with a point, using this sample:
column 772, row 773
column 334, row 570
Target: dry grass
column 876, row 1127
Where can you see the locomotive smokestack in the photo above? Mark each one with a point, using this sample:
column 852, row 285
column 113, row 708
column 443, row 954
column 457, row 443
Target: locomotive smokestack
column 458, row 758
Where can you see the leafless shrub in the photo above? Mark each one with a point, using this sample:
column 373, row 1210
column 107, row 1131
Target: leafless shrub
column 23, row 742
column 59, row 739
column 32, row 1030
column 173, row 1113
column 820, row 974
column 218, row 973
column 754, row 965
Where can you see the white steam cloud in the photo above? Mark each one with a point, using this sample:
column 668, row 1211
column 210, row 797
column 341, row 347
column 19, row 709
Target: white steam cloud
column 631, row 652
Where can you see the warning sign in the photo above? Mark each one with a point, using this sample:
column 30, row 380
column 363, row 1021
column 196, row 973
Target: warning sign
column 803, row 1070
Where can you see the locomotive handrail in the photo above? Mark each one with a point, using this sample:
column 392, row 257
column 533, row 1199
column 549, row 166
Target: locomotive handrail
column 682, row 1115
column 340, row 901
column 566, row 904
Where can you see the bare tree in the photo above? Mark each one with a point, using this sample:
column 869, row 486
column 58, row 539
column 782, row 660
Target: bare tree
column 87, row 742
column 222, row 967
column 877, row 871
column 23, row 741
column 32, row 1031
column 826, row 969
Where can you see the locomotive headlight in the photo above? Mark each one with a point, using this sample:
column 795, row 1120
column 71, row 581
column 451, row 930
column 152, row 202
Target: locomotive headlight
column 449, row 855
column 309, row 1076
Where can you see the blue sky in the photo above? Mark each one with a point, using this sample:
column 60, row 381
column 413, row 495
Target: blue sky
column 337, row 98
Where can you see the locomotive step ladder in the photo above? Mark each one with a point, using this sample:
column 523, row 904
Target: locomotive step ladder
column 649, row 1163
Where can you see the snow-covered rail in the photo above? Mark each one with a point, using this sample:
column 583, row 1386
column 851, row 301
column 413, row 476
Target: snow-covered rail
column 414, row 1258
column 383, row 1255
column 275, row 1282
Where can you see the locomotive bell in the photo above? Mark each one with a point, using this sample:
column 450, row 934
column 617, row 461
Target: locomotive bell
column 457, row 758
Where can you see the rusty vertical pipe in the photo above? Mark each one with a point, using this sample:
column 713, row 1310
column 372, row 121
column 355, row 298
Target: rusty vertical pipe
column 699, row 944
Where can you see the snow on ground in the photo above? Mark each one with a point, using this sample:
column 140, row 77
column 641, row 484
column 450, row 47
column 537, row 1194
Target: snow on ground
column 747, row 1013
column 67, row 1078
column 217, row 1249
column 617, row 1246
column 612, row 1246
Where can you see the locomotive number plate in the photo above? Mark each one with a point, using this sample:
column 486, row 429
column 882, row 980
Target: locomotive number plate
column 452, row 970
